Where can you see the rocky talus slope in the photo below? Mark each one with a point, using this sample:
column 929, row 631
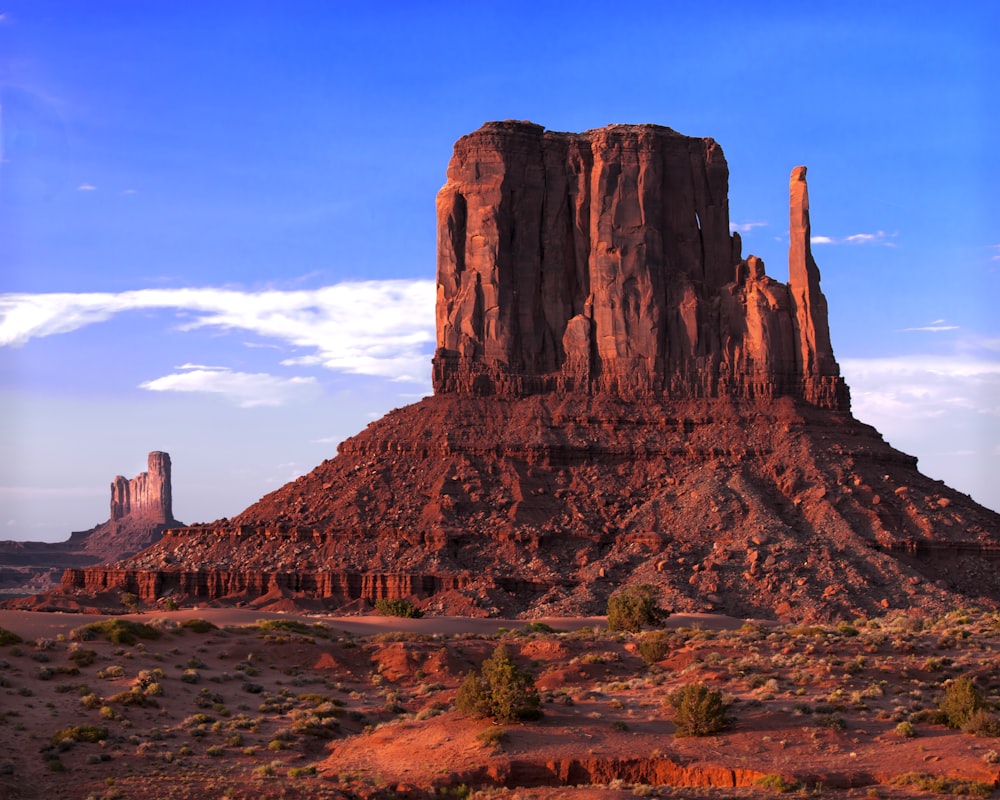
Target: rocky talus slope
column 620, row 397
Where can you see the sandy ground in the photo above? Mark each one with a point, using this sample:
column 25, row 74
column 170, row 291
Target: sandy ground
column 258, row 705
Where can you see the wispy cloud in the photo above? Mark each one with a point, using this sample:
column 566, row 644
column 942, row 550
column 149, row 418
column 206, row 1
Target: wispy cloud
column 878, row 238
column 247, row 390
column 937, row 326
column 378, row 328
column 923, row 387
column 745, row 227
column 86, row 187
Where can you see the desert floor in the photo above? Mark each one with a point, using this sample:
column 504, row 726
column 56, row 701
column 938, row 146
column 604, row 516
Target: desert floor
column 234, row 703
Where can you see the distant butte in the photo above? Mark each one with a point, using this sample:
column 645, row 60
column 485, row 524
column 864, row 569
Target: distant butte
column 141, row 509
column 620, row 397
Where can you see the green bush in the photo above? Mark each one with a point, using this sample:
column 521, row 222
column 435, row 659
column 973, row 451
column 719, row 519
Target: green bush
column 397, row 608
column 80, row 733
column 199, row 625
column 654, row 646
column 117, row 631
column 699, row 711
column 502, row 691
column 634, row 607
column 982, row 723
column 778, row 783
column 961, row 700
column 9, row 637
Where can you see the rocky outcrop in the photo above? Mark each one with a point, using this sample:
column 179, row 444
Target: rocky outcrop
column 141, row 509
column 145, row 497
column 620, row 397
column 603, row 262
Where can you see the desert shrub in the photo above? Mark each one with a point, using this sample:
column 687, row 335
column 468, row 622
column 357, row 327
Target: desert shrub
column 133, row 697
column 961, row 700
column 130, row 601
column 80, row 733
column 502, row 691
column 199, row 625
column 397, row 608
column 982, row 723
column 492, row 736
column 117, row 631
column 905, row 730
column 634, row 607
column 940, row 784
column 699, row 711
column 776, row 782
column 654, row 646
column 9, row 637
column 190, row 676
column 82, row 657
column 288, row 626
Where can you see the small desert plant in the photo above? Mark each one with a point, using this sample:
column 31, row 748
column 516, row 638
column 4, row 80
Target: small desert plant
column 905, row 730
column 117, row 631
column 699, row 711
column 940, row 784
column 778, row 783
column 9, row 637
column 130, row 601
column 654, row 646
column 634, row 607
column 961, row 700
column 397, row 608
column 199, row 625
column 502, row 691
column 982, row 723
column 82, row 657
column 80, row 733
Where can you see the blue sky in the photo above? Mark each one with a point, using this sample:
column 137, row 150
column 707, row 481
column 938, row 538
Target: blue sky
column 217, row 219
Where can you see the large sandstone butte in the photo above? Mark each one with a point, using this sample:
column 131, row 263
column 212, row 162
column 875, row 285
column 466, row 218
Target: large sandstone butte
column 141, row 509
column 620, row 397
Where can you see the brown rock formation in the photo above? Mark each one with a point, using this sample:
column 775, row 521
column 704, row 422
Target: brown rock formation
column 141, row 509
column 602, row 262
column 619, row 397
column 147, row 496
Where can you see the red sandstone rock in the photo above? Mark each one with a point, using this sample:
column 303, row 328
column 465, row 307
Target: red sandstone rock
column 603, row 262
column 620, row 397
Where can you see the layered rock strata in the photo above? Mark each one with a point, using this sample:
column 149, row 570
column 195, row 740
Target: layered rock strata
column 603, row 262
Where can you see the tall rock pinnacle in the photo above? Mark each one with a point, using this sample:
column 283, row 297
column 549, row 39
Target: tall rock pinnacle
column 602, row 262
column 147, row 496
column 815, row 354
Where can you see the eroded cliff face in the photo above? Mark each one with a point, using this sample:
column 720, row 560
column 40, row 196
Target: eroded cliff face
column 147, row 496
column 602, row 262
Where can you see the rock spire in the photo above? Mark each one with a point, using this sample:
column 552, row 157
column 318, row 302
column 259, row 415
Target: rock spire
column 147, row 496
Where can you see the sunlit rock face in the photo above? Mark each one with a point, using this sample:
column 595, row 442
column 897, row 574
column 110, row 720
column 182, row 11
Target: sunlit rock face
column 602, row 262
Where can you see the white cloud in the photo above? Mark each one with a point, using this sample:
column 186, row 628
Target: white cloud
column 879, row 237
column 921, row 387
column 745, row 227
column 379, row 328
column 247, row 390
column 932, row 328
column 86, row 187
